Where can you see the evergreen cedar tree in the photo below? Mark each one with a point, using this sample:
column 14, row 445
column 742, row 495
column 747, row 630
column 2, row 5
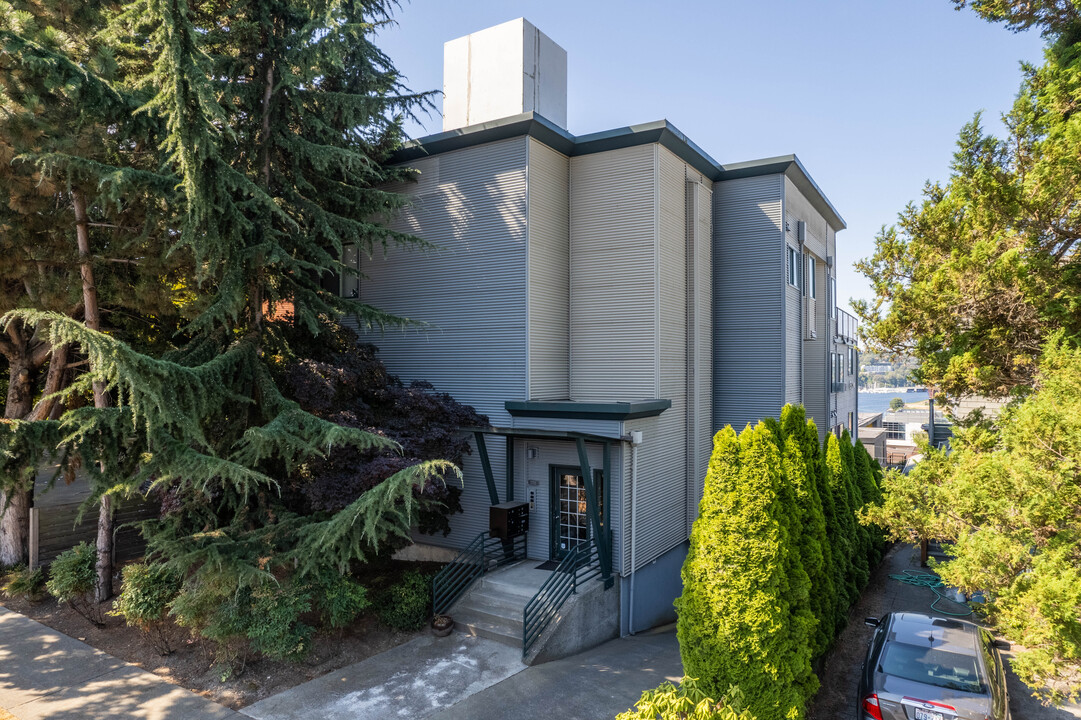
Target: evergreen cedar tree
column 980, row 281
column 250, row 143
column 975, row 277
column 763, row 592
column 62, row 135
column 1006, row 499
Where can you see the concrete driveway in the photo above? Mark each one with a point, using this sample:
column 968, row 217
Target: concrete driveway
column 474, row 678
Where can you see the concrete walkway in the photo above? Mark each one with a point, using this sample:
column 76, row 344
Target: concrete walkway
column 45, row 674
column 470, row 678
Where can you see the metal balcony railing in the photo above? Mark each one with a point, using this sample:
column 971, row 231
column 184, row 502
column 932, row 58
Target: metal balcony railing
column 846, row 327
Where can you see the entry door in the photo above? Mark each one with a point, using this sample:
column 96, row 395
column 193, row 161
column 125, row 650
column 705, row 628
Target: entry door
column 570, row 509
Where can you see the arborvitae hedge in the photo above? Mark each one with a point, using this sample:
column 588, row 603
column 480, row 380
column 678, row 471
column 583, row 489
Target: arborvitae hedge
column 810, row 523
column 776, row 559
column 734, row 619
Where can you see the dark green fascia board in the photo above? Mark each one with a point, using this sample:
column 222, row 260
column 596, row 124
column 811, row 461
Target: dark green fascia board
column 537, row 126
column 616, row 411
column 534, row 125
column 530, row 123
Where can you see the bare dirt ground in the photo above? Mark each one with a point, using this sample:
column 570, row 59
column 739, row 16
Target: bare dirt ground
column 839, row 674
column 190, row 665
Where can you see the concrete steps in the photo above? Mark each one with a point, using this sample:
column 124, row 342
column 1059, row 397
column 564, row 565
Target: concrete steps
column 493, row 606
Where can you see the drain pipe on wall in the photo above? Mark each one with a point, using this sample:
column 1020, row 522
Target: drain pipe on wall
column 636, row 440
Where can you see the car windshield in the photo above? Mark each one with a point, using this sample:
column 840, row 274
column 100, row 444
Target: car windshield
column 934, row 667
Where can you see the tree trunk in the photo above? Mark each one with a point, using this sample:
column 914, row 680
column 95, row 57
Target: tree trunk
column 15, row 505
column 104, row 588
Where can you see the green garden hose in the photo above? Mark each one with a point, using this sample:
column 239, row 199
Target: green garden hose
column 934, row 582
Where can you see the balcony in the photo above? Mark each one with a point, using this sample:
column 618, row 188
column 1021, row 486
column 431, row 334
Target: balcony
column 845, row 327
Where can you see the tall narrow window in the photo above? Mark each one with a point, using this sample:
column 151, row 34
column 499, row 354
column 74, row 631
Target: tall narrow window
column 811, row 284
column 793, row 266
column 350, row 285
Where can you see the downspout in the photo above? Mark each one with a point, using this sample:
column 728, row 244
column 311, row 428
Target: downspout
column 636, row 440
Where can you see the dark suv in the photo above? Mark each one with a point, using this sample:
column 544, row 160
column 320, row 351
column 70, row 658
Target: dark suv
column 931, row 668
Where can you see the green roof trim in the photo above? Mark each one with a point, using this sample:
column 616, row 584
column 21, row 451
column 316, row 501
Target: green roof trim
column 616, row 411
column 663, row 132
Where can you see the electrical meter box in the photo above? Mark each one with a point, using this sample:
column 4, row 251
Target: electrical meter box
column 508, row 520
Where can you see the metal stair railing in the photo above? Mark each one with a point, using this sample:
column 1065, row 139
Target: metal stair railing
column 481, row 555
column 582, row 563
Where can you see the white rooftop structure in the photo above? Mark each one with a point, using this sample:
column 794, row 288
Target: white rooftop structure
column 502, row 71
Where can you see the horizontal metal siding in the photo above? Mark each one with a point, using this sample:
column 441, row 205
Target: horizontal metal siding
column 816, row 369
column 603, row 428
column 665, row 471
column 652, row 480
column 475, row 500
column 793, row 338
column 471, row 291
column 549, row 273
column 798, row 207
column 748, row 315
column 702, row 326
column 613, row 276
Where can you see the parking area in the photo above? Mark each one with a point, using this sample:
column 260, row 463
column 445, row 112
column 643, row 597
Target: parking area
column 839, row 673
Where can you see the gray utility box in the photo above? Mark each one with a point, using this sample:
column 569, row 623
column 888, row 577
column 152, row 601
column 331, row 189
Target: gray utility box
column 508, row 520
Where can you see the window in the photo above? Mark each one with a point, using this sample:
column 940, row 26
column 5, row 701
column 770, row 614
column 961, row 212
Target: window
column 833, row 298
column 793, row 266
column 837, row 367
column 811, row 284
column 350, row 283
column 852, row 361
column 894, row 430
column 851, row 424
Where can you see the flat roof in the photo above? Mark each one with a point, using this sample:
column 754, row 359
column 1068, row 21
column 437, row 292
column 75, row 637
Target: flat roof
column 661, row 131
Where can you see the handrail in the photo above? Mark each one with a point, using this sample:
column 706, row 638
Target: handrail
column 481, row 555
column 582, row 563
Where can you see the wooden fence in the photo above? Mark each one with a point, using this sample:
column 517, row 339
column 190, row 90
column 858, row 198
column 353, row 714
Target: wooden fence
column 53, row 530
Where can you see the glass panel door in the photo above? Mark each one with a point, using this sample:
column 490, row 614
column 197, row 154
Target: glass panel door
column 570, row 523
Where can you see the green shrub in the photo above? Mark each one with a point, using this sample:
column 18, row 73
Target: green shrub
column 735, row 621
column 72, row 578
column 21, row 582
column 338, row 598
column 144, row 600
column 261, row 616
column 405, row 606
column 687, row 702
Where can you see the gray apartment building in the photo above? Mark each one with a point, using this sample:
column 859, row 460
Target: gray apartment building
column 609, row 301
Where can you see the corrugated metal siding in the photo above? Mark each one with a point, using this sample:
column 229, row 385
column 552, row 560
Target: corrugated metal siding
column 471, row 290
column 748, row 286
column 475, row 500
column 666, row 456
column 613, row 305
column 797, row 207
column 793, row 340
column 816, row 368
column 700, row 319
column 820, row 241
column 549, row 273
column 604, row 428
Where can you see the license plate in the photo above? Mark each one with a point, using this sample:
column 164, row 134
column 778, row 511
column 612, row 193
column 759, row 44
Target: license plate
column 921, row 714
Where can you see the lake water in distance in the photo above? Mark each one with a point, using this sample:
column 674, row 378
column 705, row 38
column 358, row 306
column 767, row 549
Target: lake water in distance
column 870, row 402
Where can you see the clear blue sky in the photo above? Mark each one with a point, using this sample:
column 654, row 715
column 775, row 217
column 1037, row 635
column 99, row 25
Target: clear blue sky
column 870, row 94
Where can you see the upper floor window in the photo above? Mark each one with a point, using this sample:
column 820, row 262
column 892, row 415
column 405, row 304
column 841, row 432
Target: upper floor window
column 811, row 284
column 894, row 430
column 793, row 266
